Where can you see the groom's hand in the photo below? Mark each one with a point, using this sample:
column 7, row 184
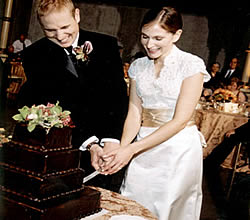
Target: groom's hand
column 96, row 156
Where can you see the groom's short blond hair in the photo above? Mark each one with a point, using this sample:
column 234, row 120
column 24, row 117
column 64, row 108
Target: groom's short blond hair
column 46, row 6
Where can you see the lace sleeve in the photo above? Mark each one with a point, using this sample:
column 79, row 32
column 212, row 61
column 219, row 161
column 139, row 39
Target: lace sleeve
column 132, row 70
column 196, row 65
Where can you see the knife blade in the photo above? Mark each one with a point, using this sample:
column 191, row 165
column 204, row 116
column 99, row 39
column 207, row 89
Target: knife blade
column 90, row 176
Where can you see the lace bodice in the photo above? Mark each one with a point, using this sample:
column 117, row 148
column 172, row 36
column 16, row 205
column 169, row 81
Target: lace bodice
column 162, row 92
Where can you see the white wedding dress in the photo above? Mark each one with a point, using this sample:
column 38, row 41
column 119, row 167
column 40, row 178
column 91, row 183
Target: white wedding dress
column 167, row 178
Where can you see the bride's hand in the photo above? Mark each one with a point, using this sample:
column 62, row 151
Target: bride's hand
column 120, row 158
column 108, row 147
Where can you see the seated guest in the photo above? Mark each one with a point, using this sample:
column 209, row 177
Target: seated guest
column 234, row 87
column 231, row 71
column 206, row 95
column 215, row 81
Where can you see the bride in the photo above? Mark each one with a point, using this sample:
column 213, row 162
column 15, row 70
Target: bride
column 165, row 169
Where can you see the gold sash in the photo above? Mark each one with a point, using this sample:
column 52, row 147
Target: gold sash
column 158, row 117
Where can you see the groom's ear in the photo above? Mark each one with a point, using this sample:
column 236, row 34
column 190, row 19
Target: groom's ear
column 77, row 15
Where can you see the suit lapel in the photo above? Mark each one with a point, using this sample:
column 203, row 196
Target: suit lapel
column 70, row 66
column 60, row 58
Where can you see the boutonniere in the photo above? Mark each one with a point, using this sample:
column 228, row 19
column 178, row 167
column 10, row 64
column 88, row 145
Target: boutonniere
column 83, row 51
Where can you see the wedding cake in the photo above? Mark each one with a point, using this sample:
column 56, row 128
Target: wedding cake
column 40, row 176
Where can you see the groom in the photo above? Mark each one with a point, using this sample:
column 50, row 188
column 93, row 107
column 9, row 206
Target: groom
column 91, row 87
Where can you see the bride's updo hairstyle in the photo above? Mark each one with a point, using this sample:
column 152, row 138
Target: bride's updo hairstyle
column 167, row 17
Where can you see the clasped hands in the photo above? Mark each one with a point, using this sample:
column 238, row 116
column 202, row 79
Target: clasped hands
column 111, row 158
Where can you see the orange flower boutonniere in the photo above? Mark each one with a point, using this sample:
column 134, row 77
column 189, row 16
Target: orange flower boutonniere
column 83, row 51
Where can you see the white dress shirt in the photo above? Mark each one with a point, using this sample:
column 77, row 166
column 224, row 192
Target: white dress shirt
column 18, row 45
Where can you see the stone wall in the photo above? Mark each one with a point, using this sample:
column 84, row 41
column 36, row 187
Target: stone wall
column 214, row 36
column 123, row 23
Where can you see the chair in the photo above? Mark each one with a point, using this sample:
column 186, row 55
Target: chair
column 234, row 167
column 240, row 163
column 17, row 78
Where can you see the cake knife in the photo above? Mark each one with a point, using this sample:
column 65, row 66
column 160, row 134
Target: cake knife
column 90, row 176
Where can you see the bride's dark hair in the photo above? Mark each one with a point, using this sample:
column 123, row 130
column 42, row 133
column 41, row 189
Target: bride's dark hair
column 168, row 18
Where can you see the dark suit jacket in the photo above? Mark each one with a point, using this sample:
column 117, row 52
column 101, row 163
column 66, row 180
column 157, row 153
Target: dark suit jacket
column 237, row 73
column 214, row 82
column 97, row 98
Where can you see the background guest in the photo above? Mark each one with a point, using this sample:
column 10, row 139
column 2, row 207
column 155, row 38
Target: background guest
column 20, row 44
column 215, row 81
column 206, row 95
column 234, row 87
column 230, row 71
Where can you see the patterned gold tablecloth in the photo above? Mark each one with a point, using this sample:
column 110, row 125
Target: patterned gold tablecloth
column 214, row 125
column 116, row 204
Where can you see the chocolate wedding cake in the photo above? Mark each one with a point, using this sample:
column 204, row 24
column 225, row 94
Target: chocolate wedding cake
column 40, row 177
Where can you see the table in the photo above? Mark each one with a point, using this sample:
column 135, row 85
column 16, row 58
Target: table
column 116, row 204
column 214, row 125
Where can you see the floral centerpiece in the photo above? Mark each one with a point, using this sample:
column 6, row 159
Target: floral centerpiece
column 46, row 116
column 224, row 95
